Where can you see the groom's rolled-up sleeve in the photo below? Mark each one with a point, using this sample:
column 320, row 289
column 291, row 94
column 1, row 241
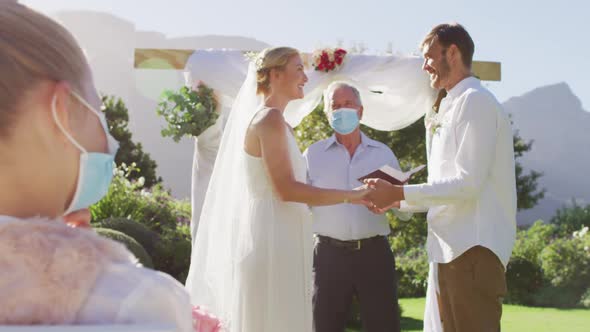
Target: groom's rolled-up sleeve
column 476, row 133
column 405, row 207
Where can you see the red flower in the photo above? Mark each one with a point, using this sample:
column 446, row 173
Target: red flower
column 323, row 62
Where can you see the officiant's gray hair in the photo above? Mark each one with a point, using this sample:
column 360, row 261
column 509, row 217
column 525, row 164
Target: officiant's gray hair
column 329, row 93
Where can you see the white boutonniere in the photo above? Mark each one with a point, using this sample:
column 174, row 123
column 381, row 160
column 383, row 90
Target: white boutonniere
column 433, row 121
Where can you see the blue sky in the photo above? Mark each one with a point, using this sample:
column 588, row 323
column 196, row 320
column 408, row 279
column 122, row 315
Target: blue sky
column 538, row 42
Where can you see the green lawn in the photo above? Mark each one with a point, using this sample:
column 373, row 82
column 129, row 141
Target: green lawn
column 514, row 318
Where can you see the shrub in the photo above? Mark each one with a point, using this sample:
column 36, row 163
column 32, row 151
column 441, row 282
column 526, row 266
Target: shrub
column 530, row 242
column 139, row 232
column 566, row 263
column 150, row 216
column 130, row 152
column 556, row 297
column 566, row 266
column 153, row 207
column 136, row 249
column 173, row 253
column 571, row 218
column 524, row 277
column 123, row 198
column 585, row 300
column 412, row 272
column 408, row 234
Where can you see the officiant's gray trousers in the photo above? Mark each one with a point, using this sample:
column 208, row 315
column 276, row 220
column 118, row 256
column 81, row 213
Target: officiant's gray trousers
column 342, row 271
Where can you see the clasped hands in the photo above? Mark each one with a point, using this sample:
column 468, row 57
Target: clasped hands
column 380, row 195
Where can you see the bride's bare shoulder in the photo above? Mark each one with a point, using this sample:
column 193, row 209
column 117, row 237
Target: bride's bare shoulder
column 268, row 119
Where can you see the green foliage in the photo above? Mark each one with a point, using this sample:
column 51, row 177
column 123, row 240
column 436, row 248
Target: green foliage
column 122, row 199
column 550, row 267
column 528, row 193
column 409, row 234
column 173, row 254
column 585, row 300
column 136, row 249
column 139, row 232
column 524, row 275
column 566, row 263
column 129, row 152
column 187, row 112
column 150, row 216
column 571, row 218
column 524, row 278
column 412, row 271
column 530, row 242
column 153, row 207
column 313, row 128
column 556, row 297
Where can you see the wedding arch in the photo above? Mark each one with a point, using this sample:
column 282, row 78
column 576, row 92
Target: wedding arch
column 394, row 89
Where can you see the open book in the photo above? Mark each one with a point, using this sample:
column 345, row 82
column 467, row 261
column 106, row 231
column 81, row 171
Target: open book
column 392, row 175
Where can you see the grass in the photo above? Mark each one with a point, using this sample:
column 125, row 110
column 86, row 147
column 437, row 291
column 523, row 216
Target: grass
column 514, row 318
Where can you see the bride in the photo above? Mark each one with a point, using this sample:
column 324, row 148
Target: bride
column 252, row 258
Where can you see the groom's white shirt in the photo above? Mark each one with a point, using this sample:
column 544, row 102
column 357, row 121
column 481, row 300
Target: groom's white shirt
column 471, row 190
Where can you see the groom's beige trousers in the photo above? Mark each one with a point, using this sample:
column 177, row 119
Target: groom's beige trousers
column 471, row 290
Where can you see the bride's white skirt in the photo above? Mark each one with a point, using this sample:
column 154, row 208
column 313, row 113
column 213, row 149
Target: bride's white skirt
column 274, row 280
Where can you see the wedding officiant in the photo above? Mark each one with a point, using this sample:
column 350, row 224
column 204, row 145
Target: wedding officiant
column 352, row 254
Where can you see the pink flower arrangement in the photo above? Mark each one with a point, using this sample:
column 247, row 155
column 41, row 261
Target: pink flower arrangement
column 204, row 321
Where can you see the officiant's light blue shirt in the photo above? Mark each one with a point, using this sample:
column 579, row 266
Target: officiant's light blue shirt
column 330, row 166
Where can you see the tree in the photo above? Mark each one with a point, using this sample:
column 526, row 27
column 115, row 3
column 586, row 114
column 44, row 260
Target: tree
column 571, row 218
column 129, row 152
column 526, row 184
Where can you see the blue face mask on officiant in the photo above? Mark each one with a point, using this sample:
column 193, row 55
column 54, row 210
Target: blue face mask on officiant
column 344, row 120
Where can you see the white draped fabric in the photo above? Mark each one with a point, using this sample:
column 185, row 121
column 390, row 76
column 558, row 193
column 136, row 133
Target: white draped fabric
column 395, row 93
column 404, row 94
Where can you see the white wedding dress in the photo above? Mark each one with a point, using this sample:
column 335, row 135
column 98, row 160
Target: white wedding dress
column 274, row 280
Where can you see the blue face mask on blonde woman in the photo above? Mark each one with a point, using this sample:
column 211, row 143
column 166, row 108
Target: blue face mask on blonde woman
column 95, row 169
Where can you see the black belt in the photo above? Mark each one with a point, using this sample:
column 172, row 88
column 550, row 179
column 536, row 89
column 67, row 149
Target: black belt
column 351, row 244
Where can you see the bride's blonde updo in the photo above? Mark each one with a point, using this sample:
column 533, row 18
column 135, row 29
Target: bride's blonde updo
column 271, row 58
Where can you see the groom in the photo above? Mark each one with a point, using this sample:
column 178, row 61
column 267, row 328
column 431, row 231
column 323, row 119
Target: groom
column 471, row 190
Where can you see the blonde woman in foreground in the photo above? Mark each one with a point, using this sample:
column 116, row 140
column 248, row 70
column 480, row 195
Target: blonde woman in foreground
column 56, row 157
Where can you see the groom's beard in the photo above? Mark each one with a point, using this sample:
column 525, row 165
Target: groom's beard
column 442, row 74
